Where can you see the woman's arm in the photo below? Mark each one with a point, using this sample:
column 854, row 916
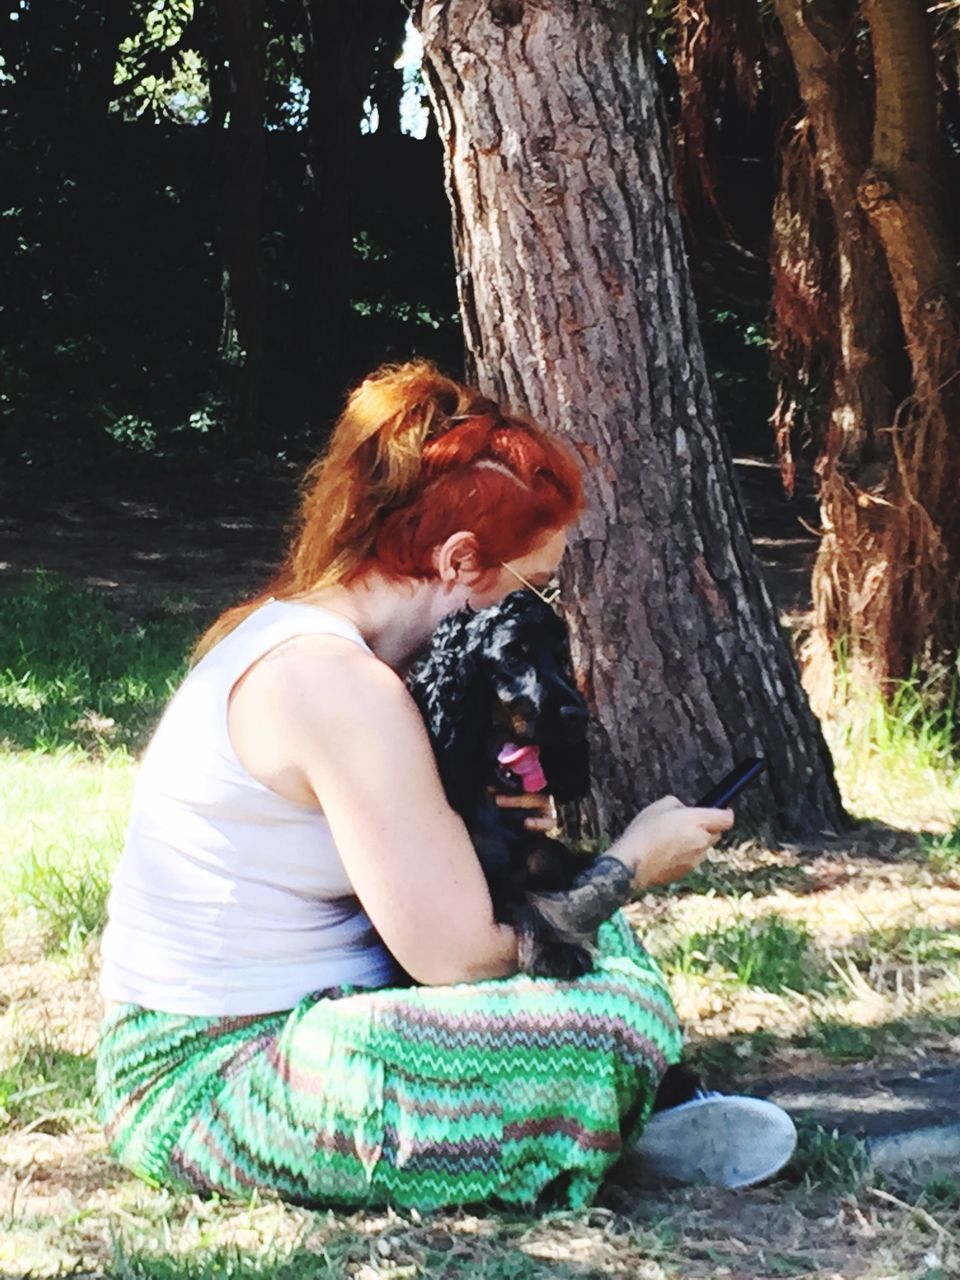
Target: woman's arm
column 342, row 724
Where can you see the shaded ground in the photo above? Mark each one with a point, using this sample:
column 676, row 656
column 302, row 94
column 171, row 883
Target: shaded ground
column 214, row 537
column 204, row 540
column 870, row 1101
column 783, row 532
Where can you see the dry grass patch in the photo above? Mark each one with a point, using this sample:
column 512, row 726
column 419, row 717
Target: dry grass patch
column 65, row 1207
column 881, row 947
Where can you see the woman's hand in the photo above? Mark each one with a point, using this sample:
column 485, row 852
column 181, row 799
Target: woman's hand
column 667, row 840
column 543, row 812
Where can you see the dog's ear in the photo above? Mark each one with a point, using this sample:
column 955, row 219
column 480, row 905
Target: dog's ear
column 566, row 763
column 448, row 687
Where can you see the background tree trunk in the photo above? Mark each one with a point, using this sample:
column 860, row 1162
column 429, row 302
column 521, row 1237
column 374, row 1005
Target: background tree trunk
column 852, row 596
column 884, row 583
column 241, row 32
column 904, row 194
column 577, row 305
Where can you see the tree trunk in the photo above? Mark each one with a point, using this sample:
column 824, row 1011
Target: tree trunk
column 242, row 40
column 885, row 581
column 577, row 306
column 851, row 595
column 903, row 192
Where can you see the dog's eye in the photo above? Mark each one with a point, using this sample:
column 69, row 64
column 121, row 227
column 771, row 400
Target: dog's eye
column 512, row 664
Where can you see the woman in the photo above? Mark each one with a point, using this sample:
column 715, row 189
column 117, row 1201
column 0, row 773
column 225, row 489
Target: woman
column 290, row 843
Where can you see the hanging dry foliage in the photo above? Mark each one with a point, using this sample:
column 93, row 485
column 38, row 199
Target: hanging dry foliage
column 803, row 297
column 864, row 301
column 720, row 49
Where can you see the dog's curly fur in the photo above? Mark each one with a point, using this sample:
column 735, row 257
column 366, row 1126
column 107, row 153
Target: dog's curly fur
column 504, row 675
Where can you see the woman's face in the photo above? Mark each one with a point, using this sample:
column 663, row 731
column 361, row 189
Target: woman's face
column 534, row 569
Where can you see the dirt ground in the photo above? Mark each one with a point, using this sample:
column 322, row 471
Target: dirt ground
column 204, row 538
column 213, row 537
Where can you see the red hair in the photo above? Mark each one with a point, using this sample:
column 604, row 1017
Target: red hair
column 414, row 458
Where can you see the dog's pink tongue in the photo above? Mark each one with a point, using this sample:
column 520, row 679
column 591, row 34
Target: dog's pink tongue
column 525, row 763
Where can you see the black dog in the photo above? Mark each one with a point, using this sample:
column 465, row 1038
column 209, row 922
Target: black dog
column 493, row 687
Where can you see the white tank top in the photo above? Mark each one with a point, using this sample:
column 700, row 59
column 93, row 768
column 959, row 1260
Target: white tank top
column 229, row 899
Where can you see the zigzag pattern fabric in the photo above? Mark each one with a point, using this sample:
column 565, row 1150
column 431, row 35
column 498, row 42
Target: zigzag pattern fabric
column 422, row 1097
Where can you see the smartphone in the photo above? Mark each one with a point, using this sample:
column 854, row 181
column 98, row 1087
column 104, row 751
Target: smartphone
column 728, row 788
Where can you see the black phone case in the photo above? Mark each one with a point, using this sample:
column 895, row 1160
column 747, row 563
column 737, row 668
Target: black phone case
column 729, row 787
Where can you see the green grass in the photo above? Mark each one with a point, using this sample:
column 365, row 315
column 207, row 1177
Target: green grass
column 941, row 853
column 69, row 898
column 720, row 1062
column 942, row 1192
column 76, row 673
column 828, row 1160
column 350, row 1257
column 916, row 944
column 225, row 1264
column 81, row 687
column 48, row 1089
column 898, row 758
column 845, row 1041
column 62, row 816
column 766, row 952
column 722, row 876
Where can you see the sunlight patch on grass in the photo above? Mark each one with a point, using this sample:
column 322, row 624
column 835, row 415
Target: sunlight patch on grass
column 62, row 819
column 765, row 951
column 74, row 672
column 154, row 1235
column 839, row 917
column 715, row 1006
column 845, row 968
column 898, row 761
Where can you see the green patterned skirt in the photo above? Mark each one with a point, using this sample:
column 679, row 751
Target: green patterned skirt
column 421, row 1097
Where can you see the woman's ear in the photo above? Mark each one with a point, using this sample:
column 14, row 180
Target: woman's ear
column 457, row 560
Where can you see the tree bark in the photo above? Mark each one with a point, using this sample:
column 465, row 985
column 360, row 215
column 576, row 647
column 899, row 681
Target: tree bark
column 242, row 39
column 879, row 589
column 904, row 189
column 903, row 192
column 852, row 601
column 577, row 306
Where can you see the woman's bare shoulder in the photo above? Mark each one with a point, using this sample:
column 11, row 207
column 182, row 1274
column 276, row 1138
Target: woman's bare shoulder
column 301, row 700
column 302, row 662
